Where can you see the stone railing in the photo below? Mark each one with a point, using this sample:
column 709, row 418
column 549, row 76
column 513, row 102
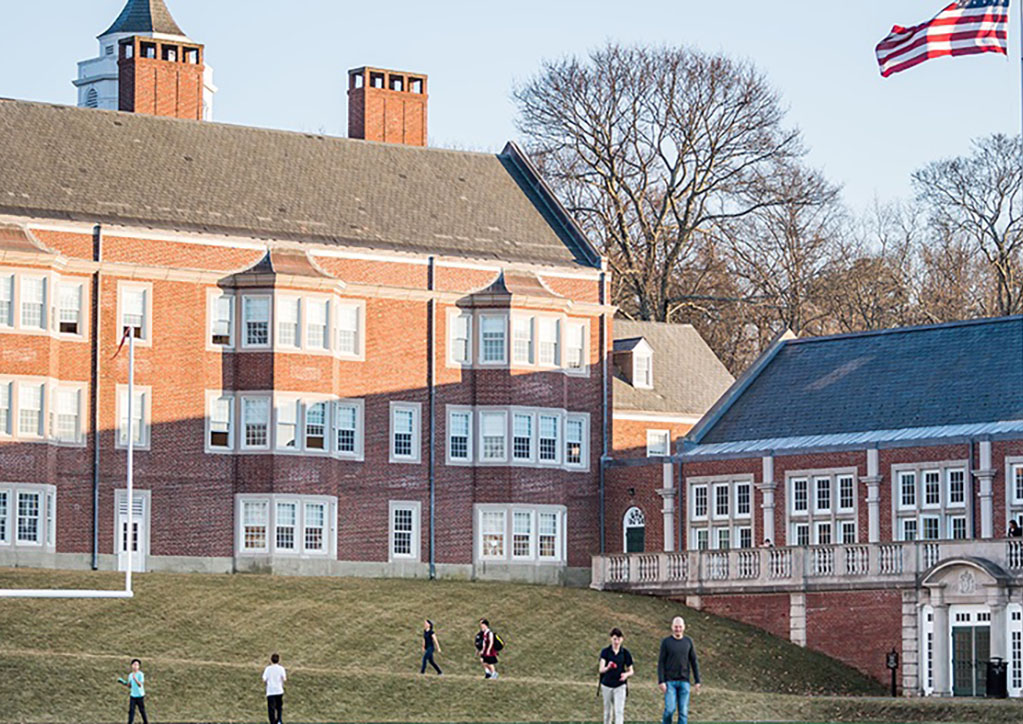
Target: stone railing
column 797, row 568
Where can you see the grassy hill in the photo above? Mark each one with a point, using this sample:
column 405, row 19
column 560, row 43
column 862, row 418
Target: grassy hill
column 351, row 647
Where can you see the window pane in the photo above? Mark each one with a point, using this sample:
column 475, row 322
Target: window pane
column 575, row 352
column 220, row 422
column 315, row 519
column 956, row 487
column 287, row 321
column 287, row 515
column 460, row 330
column 33, row 303
column 404, row 430
column 493, row 435
column 700, row 501
column 133, row 311
column 547, row 528
column 459, row 435
column 522, row 442
column 254, row 522
column 3, row 516
column 720, row 501
column 907, row 488
column 30, row 410
column 257, row 320
column 348, row 329
column 657, row 442
column 28, row 518
column 69, row 308
column 522, row 534
column 287, row 425
column 574, row 442
column 493, row 534
column 5, row 408
column 493, row 339
column 256, row 413
column 316, row 324
column 402, row 532
column 846, row 493
column 823, row 499
column 138, row 417
column 548, row 438
column 548, row 352
column 522, row 340
column 799, row 495
column 67, row 415
column 316, row 426
column 932, row 487
column 6, row 300
column 345, row 424
column 223, row 320
column 742, row 499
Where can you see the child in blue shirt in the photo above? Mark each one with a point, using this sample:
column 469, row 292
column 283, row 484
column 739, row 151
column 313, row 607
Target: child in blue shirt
column 137, row 683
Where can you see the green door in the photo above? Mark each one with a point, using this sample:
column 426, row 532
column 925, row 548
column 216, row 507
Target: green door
column 971, row 649
column 635, row 540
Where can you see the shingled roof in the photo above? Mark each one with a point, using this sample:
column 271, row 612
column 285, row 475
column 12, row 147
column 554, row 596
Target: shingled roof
column 913, row 383
column 60, row 162
column 145, row 16
column 688, row 377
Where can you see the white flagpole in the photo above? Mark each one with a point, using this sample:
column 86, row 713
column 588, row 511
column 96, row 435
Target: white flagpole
column 128, row 537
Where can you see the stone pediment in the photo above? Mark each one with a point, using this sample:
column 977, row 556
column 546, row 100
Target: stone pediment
column 965, row 580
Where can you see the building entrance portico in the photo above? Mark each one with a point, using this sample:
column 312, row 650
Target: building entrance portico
column 966, row 621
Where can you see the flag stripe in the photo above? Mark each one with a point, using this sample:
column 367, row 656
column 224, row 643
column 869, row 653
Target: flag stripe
column 962, row 28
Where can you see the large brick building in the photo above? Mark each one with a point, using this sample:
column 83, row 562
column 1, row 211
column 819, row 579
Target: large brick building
column 853, row 494
column 350, row 356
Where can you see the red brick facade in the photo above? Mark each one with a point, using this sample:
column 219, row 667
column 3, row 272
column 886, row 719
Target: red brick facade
column 161, row 78
column 387, row 106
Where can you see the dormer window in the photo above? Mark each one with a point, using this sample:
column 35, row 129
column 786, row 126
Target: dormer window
column 642, row 369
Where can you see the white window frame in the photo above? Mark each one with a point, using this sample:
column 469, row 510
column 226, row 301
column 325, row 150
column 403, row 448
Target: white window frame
column 584, row 447
column 7, row 392
column 19, row 405
column 9, row 294
column 146, row 340
column 645, row 382
column 903, row 523
column 300, row 549
column 793, row 510
column 266, row 400
column 949, row 503
column 950, row 521
column 268, row 524
column 820, row 525
column 360, row 429
column 938, row 480
column 583, row 327
column 6, row 493
column 559, row 437
column 940, row 471
column 658, row 440
column 547, row 331
column 213, row 297
column 46, row 287
column 828, row 481
column 483, row 361
column 146, row 392
column 693, row 514
column 843, row 526
column 416, row 408
column 529, row 515
column 62, row 286
column 736, row 512
column 727, row 488
column 326, row 344
column 327, row 424
column 212, row 397
column 455, row 318
column 281, row 301
column 839, row 479
column 78, row 439
column 295, row 525
column 531, row 437
column 270, row 321
column 507, row 533
column 900, row 489
column 415, row 543
column 492, row 414
column 470, row 434
column 520, row 322
column 287, row 404
column 341, row 309
column 39, row 517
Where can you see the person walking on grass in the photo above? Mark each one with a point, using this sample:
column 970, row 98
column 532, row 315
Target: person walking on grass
column 676, row 664
column 274, row 675
column 615, row 671
column 487, row 651
column 136, row 682
column 430, row 644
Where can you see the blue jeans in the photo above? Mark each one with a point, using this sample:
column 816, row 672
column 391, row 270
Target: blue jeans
column 676, row 698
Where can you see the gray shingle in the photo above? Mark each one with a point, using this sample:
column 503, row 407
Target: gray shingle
column 951, row 374
column 688, row 376
column 145, row 16
column 120, row 168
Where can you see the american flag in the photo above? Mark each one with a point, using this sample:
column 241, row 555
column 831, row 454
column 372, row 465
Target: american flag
column 963, row 28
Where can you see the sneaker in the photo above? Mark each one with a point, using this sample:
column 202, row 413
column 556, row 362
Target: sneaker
column 486, row 676
column 494, row 675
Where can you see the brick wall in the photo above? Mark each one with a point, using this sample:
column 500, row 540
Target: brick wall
column 856, row 627
column 768, row 611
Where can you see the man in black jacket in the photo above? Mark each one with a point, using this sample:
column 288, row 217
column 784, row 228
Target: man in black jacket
column 674, row 665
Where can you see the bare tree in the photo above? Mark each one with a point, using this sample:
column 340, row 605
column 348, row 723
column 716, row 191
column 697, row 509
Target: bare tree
column 977, row 201
column 650, row 149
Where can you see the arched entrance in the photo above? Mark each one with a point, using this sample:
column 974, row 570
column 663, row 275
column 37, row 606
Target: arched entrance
column 634, row 530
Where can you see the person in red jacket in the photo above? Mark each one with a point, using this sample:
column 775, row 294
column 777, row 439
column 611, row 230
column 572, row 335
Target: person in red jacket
column 487, row 652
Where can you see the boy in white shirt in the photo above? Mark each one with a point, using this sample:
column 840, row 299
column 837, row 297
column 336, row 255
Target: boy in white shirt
column 274, row 676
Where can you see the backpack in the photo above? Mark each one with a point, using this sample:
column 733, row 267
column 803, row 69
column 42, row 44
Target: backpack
column 479, row 641
column 498, row 642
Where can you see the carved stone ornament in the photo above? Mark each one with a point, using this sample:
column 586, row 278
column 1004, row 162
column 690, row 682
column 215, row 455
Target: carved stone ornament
column 967, row 583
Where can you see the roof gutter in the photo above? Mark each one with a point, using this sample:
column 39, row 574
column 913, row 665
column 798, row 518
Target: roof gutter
column 97, row 256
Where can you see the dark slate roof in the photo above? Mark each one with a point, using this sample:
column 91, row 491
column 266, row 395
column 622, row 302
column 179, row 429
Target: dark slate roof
column 83, row 164
column 938, row 376
column 688, row 376
column 144, row 16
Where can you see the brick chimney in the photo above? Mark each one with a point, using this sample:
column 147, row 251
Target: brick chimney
column 387, row 105
column 161, row 77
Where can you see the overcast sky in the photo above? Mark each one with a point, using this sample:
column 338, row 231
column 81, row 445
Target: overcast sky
column 281, row 64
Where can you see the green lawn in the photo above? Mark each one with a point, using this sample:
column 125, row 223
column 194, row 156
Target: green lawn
column 351, row 647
